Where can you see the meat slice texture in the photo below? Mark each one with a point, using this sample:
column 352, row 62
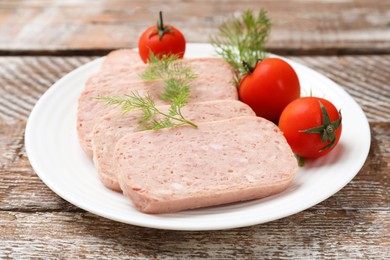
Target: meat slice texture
column 126, row 60
column 211, row 66
column 109, row 129
column 237, row 159
column 123, row 60
column 206, row 87
column 111, row 81
column 90, row 109
column 212, row 73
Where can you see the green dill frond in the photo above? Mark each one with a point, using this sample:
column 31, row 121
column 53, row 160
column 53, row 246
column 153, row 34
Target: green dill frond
column 112, row 100
column 243, row 39
column 180, row 100
column 173, row 110
column 130, row 102
column 176, row 88
column 146, row 104
column 167, row 67
column 177, row 80
column 176, row 76
column 160, row 124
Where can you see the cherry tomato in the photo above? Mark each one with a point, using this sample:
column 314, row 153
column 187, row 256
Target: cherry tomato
column 312, row 126
column 161, row 39
column 271, row 86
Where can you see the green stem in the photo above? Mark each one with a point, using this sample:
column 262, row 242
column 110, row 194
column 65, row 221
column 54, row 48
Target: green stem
column 188, row 122
column 160, row 22
column 175, row 118
column 160, row 27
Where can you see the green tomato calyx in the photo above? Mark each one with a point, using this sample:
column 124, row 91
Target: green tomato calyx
column 327, row 129
column 161, row 29
column 250, row 68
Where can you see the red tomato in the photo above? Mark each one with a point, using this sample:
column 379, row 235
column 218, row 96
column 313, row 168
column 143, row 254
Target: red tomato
column 311, row 125
column 271, row 86
column 161, row 39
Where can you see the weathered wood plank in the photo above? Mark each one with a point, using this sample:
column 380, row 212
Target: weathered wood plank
column 47, row 27
column 23, row 80
column 308, row 235
column 12, row 143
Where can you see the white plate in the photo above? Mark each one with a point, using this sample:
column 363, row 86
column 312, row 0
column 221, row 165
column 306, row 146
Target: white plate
column 55, row 154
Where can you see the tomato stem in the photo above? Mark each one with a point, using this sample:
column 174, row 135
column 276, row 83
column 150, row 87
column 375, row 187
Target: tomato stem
column 160, row 27
column 248, row 68
column 161, row 20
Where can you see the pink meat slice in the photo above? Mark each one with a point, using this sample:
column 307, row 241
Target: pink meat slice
column 209, row 71
column 90, row 109
column 109, row 129
column 122, row 60
column 126, row 60
column 237, row 159
column 105, row 78
column 211, row 66
column 114, row 80
column 206, row 87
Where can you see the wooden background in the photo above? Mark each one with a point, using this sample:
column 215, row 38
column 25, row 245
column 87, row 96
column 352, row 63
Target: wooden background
column 40, row 41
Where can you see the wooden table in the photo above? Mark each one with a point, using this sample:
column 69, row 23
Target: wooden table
column 40, row 41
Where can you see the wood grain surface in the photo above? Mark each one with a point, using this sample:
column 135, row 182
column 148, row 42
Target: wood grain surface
column 339, row 234
column 41, row 40
column 299, row 27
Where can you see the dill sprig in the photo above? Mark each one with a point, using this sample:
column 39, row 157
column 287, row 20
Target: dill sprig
column 241, row 40
column 176, row 76
column 177, row 81
column 153, row 118
column 166, row 67
column 175, row 88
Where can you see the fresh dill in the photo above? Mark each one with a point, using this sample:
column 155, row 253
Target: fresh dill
column 177, row 81
column 241, row 40
column 172, row 71
column 153, row 118
column 166, row 67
